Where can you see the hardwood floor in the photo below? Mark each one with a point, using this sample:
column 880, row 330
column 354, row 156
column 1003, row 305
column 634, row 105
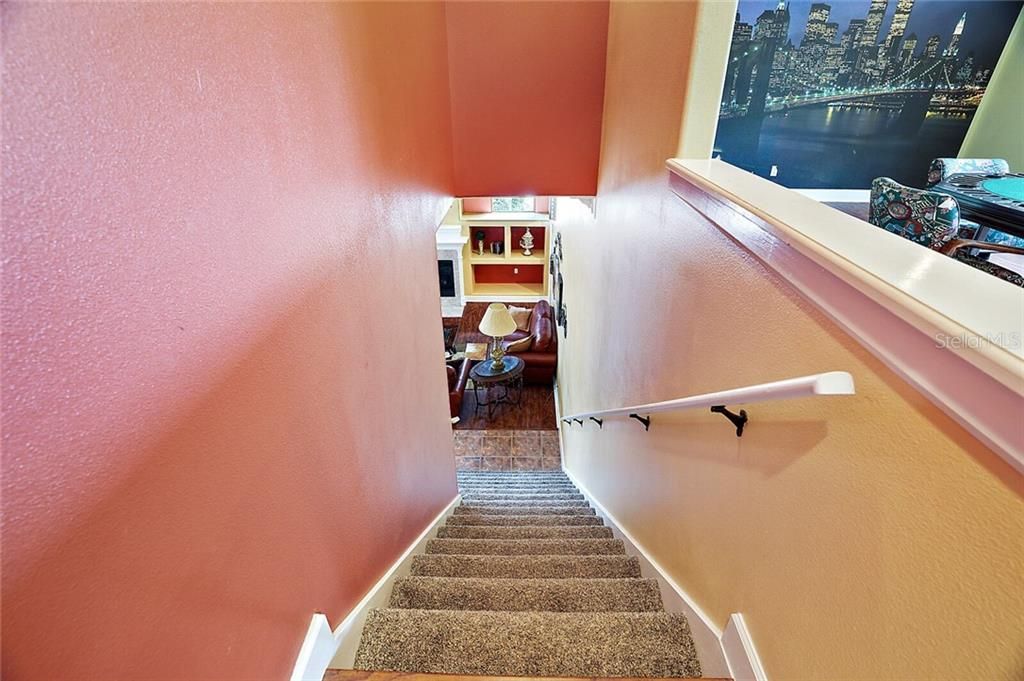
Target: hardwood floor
column 535, row 412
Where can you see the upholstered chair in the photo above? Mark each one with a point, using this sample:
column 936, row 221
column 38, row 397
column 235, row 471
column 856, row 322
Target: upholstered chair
column 943, row 168
column 932, row 219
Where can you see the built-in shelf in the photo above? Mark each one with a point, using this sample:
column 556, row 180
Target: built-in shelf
column 511, row 273
column 487, row 257
column 534, row 258
column 508, row 290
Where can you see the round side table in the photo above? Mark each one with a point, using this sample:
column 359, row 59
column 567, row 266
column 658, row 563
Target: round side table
column 495, row 386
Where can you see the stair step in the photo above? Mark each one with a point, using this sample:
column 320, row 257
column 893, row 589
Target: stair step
column 548, row 595
column 512, row 474
column 479, row 496
column 524, row 547
column 480, row 487
column 578, row 503
column 528, row 643
column 522, row 519
column 523, row 532
column 491, row 509
column 526, row 567
column 472, row 491
column 516, row 481
column 508, row 478
column 363, row 675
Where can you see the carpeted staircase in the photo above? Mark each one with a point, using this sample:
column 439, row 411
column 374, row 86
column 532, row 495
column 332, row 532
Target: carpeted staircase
column 526, row 580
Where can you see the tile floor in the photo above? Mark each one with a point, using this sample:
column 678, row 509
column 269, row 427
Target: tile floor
column 507, row 450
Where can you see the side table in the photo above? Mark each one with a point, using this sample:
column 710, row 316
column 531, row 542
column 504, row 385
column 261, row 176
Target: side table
column 495, row 386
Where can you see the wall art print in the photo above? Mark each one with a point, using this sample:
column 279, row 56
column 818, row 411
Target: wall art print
column 832, row 95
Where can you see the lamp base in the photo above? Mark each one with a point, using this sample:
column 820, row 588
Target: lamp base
column 497, row 355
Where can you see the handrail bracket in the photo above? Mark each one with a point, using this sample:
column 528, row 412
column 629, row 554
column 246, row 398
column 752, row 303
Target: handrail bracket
column 599, row 422
column 738, row 420
column 646, row 420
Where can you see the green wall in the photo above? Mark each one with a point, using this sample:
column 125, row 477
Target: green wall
column 998, row 128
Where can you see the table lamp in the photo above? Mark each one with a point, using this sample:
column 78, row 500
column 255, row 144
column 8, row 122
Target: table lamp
column 497, row 323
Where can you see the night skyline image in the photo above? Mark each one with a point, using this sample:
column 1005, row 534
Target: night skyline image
column 832, row 95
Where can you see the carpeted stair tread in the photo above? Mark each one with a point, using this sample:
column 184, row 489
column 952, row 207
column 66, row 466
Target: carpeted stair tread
column 528, row 643
column 517, row 489
column 470, row 497
column 524, row 532
column 505, row 503
column 525, row 579
column 516, row 492
column 515, row 481
column 516, row 520
column 526, row 567
column 515, row 478
column 508, row 484
column 548, row 595
column 490, row 509
column 513, row 474
column 526, row 547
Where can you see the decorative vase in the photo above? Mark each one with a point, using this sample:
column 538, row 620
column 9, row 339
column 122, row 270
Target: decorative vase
column 526, row 243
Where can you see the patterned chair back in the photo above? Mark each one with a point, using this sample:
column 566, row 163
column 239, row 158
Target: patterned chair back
column 925, row 217
column 942, row 168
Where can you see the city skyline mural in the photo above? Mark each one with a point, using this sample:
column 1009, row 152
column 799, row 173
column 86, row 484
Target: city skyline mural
column 833, row 94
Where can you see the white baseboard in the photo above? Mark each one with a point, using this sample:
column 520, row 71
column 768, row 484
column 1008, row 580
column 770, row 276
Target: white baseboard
column 706, row 636
column 316, row 652
column 744, row 664
column 347, row 634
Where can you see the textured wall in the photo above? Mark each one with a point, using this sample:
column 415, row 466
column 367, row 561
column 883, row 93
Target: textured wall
column 527, row 84
column 996, row 131
column 863, row 538
column 649, row 52
column 218, row 222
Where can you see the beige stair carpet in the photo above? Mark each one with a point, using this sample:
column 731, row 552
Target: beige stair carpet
column 525, row 579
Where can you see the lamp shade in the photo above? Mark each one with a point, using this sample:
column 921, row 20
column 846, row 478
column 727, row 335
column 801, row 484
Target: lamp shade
column 497, row 321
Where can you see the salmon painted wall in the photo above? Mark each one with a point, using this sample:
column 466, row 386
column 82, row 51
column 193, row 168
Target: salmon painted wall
column 868, row 537
column 218, row 223
column 527, row 86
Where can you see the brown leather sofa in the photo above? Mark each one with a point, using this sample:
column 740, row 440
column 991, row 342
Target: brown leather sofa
column 458, row 374
column 542, row 356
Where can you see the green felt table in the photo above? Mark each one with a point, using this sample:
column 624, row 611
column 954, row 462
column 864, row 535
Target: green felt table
column 1008, row 187
column 996, row 202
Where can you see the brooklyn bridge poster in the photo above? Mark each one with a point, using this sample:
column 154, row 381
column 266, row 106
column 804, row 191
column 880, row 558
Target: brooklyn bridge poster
column 832, row 95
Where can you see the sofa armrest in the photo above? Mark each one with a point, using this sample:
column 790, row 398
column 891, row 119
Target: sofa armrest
column 462, row 368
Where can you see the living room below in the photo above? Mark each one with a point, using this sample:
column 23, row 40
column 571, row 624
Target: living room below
column 503, row 419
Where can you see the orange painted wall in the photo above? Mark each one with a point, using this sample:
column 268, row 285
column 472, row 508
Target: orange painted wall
column 527, row 87
column 649, row 53
column 863, row 537
column 215, row 217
